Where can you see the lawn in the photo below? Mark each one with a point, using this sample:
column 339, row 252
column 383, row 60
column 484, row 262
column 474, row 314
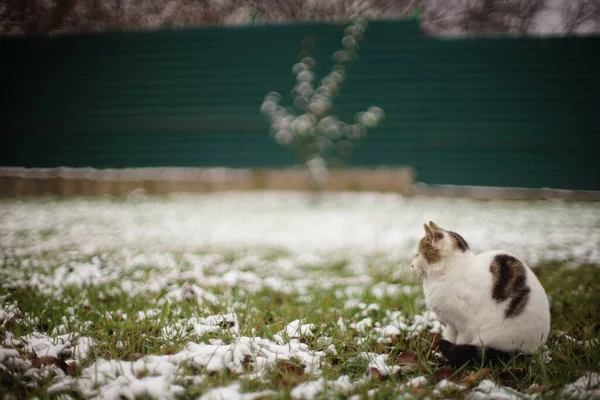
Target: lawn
column 261, row 295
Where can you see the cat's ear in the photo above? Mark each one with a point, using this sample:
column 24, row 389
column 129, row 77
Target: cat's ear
column 435, row 227
column 433, row 232
column 429, row 233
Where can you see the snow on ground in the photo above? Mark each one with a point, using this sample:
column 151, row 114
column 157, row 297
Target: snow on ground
column 586, row 387
column 178, row 246
column 357, row 223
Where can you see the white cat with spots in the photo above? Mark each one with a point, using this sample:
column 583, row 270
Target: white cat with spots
column 491, row 304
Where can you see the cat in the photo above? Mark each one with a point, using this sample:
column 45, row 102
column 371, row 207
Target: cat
column 492, row 305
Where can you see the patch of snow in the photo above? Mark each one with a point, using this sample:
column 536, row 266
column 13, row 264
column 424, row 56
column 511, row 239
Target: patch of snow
column 488, row 389
column 110, row 379
column 261, row 353
column 215, row 323
column 83, row 348
column 147, row 314
column 7, row 353
column 9, row 340
column 310, row 390
column 43, row 345
column 550, row 230
column 233, row 392
column 445, row 385
column 425, row 322
column 415, row 382
column 363, row 325
column 380, row 363
column 188, row 292
column 586, row 387
column 583, row 343
column 296, row 329
column 7, row 312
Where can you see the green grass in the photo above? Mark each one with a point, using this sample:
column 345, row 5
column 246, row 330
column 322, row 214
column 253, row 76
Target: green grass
column 316, row 295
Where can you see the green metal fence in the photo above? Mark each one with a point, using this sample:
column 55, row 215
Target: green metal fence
column 489, row 111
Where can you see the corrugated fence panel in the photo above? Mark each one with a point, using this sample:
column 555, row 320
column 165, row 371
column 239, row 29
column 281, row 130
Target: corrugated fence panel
column 494, row 111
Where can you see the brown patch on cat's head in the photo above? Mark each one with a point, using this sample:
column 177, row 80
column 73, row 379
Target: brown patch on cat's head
column 437, row 233
column 428, row 251
column 427, row 247
column 458, row 241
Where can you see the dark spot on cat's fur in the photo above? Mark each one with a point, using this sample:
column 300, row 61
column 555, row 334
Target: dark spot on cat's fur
column 459, row 242
column 509, row 281
column 431, row 254
column 518, row 302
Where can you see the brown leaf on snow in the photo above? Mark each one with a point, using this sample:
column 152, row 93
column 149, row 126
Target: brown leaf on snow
column 443, row 373
column 378, row 376
column 375, row 374
column 289, row 373
column 544, row 387
column 71, row 369
column 472, row 379
column 420, row 392
column 39, row 362
column 169, row 351
column 380, row 347
column 287, row 367
column 132, row 356
column 408, row 360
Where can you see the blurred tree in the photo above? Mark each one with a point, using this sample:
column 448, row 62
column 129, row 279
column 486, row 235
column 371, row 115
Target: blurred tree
column 437, row 16
column 481, row 16
column 581, row 15
column 320, row 138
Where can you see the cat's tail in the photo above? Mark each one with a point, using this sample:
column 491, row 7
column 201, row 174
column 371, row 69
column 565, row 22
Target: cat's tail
column 461, row 354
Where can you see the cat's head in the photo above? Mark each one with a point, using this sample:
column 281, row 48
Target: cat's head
column 437, row 245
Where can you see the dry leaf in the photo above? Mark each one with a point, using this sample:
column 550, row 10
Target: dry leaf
column 375, row 374
column 169, row 351
column 38, row 362
column 408, row 360
column 420, row 392
column 443, row 373
column 289, row 373
column 132, row 356
column 544, row 387
column 287, row 367
column 472, row 379
column 71, row 369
